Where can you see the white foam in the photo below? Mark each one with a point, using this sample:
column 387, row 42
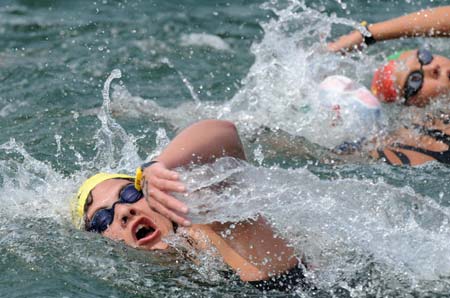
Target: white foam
column 341, row 225
column 281, row 86
column 204, row 40
column 329, row 220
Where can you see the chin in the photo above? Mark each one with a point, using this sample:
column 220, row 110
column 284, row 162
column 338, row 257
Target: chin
column 158, row 246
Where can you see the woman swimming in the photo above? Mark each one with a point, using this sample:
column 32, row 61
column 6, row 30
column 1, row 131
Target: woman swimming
column 414, row 77
column 114, row 206
column 418, row 76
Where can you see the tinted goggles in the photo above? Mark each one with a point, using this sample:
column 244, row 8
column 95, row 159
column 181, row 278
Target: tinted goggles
column 414, row 81
column 103, row 218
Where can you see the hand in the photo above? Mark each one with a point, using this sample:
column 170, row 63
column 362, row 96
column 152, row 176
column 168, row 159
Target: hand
column 157, row 181
column 347, row 43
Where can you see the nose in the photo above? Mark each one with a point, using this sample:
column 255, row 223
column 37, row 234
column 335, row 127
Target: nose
column 124, row 213
column 433, row 71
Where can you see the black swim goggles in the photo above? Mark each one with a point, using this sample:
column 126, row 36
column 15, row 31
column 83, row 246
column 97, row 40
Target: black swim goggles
column 414, row 81
column 103, row 218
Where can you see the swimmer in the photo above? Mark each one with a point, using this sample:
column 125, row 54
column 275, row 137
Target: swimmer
column 418, row 75
column 141, row 212
column 413, row 77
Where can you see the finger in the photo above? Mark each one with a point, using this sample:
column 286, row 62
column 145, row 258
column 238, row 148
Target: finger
column 332, row 47
column 168, row 185
column 162, row 172
column 179, row 219
column 168, row 201
column 168, row 174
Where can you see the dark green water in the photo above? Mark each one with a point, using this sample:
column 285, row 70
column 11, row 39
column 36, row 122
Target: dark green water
column 182, row 61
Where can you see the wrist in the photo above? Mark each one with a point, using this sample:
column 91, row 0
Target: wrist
column 140, row 174
column 367, row 39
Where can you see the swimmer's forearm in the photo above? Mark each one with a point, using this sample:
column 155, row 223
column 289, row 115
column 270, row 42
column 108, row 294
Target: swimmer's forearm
column 203, row 142
column 428, row 22
column 243, row 267
column 251, row 247
column 433, row 22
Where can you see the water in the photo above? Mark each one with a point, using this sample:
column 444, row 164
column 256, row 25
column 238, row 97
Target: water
column 369, row 229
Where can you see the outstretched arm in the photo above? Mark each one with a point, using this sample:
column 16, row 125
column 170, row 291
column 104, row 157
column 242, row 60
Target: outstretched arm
column 201, row 142
column 434, row 22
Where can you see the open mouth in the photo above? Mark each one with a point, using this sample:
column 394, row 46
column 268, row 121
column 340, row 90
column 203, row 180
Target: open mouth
column 143, row 231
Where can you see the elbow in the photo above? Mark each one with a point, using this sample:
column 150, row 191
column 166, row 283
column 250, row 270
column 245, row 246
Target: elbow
column 224, row 124
column 223, row 134
column 222, row 127
column 229, row 127
column 232, row 144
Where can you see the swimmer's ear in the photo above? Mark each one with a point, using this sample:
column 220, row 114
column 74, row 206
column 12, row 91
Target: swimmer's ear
column 88, row 203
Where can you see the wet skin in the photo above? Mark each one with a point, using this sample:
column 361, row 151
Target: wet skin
column 130, row 218
column 436, row 77
column 252, row 249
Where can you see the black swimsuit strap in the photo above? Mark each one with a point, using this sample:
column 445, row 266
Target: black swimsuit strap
column 286, row 282
column 438, row 135
column 383, row 156
column 441, row 156
column 403, row 158
column 434, row 133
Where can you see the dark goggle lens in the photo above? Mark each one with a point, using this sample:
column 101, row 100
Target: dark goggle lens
column 104, row 217
column 129, row 194
column 415, row 79
column 101, row 220
column 413, row 83
column 425, row 57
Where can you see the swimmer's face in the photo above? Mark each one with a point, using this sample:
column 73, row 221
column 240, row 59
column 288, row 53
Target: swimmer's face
column 129, row 219
column 436, row 77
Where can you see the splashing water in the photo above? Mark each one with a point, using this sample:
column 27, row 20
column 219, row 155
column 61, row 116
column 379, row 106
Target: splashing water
column 282, row 87
column 113, row 143
column 346, row 228
column 184, row 80
column 35, row 228
column 363, row 232
column 281, row 90
column 339, row 225
column 258, row 155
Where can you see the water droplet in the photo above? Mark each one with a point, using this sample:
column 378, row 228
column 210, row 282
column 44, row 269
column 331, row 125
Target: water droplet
column 259, row 156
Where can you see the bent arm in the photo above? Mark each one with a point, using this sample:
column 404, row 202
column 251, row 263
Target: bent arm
column 434, row 22
column 203, row 142
column 251, row 248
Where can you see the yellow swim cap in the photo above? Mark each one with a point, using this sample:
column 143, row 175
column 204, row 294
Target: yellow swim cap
column 78, row 202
